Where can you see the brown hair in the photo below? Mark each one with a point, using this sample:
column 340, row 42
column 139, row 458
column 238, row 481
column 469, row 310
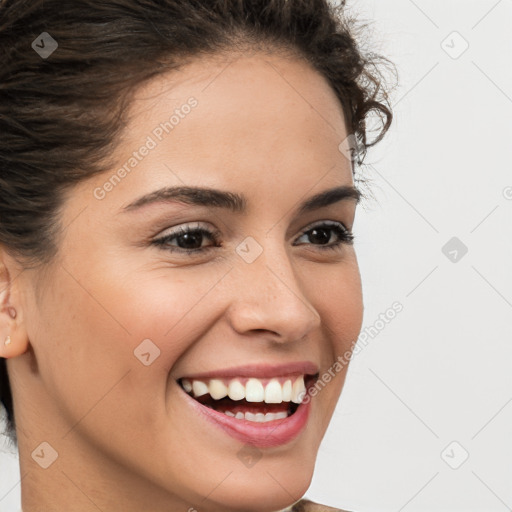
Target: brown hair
column 61, row 114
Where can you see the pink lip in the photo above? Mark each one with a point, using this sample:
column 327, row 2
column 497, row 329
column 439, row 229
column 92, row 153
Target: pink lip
column 259, row 371
column 262, row 435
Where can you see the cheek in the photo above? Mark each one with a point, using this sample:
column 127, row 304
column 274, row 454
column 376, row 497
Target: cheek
column 89, row 325
column 85, row 350
column 337, row 296
column 336, row 293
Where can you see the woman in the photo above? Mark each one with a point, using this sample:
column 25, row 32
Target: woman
column 180, row 292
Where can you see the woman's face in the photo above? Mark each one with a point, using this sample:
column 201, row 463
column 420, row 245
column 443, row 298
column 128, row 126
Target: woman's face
column 131, row 306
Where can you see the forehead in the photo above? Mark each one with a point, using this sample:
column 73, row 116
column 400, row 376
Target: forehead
column 265, row 93
column 262, row 125
column 276, row 79
column 259, row 104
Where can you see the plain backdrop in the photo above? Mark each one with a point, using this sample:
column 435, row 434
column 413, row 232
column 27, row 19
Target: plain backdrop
column 423, row 423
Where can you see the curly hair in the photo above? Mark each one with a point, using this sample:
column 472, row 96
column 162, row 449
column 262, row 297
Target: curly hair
column 61, row 115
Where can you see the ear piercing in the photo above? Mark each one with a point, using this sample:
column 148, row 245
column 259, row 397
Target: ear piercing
column 12, row 314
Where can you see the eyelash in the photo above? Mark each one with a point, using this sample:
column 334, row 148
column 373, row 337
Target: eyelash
column 346, row 237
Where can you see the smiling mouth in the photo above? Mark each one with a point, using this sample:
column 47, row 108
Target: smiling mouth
column 251, row 399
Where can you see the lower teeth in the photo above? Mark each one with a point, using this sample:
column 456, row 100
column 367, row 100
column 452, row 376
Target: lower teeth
column 259, row 417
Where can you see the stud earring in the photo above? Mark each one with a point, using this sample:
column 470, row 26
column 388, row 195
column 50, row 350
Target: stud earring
column 7, row 340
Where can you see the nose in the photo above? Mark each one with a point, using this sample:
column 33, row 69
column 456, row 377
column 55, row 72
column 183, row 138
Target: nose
column 269, row 297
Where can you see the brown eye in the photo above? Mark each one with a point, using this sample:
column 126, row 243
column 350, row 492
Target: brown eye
column 322, row 234
column 187, row 240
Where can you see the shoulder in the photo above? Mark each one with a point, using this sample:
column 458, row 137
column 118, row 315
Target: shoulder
column 309, row 506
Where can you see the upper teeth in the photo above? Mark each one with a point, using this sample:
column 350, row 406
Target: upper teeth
column 254, row 390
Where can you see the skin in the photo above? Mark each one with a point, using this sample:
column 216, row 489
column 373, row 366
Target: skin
column 266, row 126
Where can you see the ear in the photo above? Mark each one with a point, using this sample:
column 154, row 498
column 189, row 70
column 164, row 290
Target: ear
column 12, row 327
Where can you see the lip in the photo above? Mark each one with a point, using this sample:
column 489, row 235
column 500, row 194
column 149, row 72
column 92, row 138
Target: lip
column 266, row 434
column 261, row 435
column 258, row 371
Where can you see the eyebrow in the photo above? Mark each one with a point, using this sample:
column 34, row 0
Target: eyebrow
column 209, row 197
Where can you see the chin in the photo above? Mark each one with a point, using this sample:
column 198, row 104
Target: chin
column 262, row 492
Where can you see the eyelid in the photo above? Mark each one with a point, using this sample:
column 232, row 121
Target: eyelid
column 324, row 222
column 188, row 226
column 193, row 226
column 344, row 234
column 332, row 224
column 211, row 233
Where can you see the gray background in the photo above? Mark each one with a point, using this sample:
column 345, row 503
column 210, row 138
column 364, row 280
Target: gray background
column 424, row 419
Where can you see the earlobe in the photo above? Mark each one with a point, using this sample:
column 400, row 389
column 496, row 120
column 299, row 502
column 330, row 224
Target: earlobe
column 12, row 313
column 12, row 342
column 12, row 339
column 8, row 347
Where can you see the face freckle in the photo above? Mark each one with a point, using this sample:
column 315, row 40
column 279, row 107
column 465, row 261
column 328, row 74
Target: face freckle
column 148, row 327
